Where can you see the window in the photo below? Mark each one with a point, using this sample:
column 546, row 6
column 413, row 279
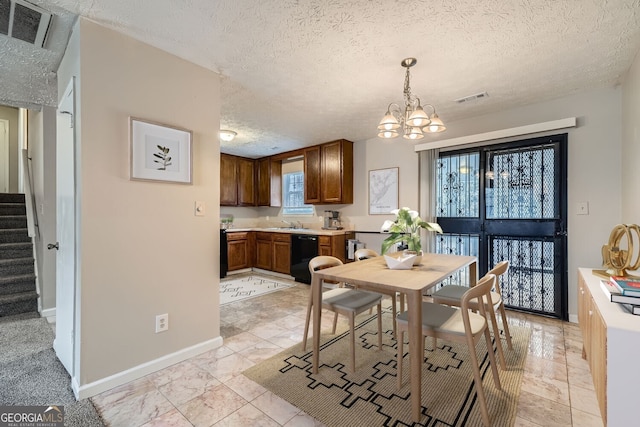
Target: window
column 293, row 193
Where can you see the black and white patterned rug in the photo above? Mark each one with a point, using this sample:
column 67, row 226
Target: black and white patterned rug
column 234, row 290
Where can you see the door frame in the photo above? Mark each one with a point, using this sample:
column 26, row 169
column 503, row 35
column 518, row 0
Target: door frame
column 4, row 150
column 485, row 228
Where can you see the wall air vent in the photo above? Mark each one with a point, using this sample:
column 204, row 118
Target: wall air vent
column 472, row 97
column 24, row 21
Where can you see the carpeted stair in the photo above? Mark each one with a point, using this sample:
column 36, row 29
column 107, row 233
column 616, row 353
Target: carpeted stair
column 17, row 275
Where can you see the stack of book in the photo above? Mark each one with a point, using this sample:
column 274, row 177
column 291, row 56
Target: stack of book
column 623, row 290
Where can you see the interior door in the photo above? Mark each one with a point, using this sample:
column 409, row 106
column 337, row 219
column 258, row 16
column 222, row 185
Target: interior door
column 65, row 231
column 508, row 202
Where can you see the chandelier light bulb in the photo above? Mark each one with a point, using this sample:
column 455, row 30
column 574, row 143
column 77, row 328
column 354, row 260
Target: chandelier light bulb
column 411, row 121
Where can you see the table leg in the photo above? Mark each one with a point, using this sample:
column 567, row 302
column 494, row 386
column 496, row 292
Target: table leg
column 414, row 303
column 473, row 273
column 316, row 292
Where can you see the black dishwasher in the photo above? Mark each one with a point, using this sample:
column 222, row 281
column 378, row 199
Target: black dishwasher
column 303, row 248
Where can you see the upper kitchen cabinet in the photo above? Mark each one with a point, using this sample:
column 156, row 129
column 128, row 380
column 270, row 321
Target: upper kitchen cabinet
column 237, row 181
column 328, row 173
column 312, row 175
column 228, row 180
column 269, row 182
column 246, row 182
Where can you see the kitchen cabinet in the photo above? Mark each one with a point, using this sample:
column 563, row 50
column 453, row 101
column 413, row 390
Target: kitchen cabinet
column 334, row 245
column 273, row 251
column 246, row 182
column 237, row 181
column 312, row 175
column 264, row 250
column 239, row 250
column 228, row 180
column 328, row 173
column 269, row 182
column 281, row 253
column 336, row 172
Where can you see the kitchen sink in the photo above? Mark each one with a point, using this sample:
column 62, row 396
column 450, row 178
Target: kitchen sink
column 287, row 228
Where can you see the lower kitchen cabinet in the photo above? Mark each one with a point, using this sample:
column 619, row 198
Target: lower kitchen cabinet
column 334, row 245
column 273, row 251
column 239, row 250
column 281, row 253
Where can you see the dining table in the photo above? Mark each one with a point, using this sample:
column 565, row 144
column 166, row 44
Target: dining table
column 374, row 274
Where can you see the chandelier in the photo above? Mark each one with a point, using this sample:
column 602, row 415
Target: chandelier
column 413, row 121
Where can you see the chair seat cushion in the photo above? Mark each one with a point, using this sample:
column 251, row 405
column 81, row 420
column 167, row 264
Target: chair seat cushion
column 444, row 318
column 350, row 299
column 452, row 294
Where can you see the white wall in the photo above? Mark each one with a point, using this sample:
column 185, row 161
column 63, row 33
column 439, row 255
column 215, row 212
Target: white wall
column 11, row 114
column 593, row 169
column 631, row 145
column 143, row 252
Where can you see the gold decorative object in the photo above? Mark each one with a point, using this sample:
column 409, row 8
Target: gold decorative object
column 616, row 258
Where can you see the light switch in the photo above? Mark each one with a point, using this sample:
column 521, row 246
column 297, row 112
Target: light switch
column 200, row 208
column 583, row 208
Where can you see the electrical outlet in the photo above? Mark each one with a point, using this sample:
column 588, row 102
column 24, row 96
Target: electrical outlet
column 582, row 208
column 162, row 322
column 199, row 208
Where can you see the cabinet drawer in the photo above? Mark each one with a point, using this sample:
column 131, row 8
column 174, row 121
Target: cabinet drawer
column 324, row 240
column 281, row 237
column 237, row 236
column 261, row 235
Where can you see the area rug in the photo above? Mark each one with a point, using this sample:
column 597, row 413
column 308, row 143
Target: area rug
column 370, row 397
column 234, row 290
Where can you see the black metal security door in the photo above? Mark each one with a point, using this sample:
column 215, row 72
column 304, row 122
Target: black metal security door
column 508, row 202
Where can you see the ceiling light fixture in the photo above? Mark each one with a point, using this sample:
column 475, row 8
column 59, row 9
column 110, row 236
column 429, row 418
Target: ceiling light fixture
column 227, row 135
column 414, row 120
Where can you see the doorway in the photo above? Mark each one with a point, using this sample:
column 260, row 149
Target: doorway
column 509, row 202
column 64, row 343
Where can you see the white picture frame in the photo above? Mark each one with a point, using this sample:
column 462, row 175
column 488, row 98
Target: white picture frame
column 383, row 190
column 159, row 152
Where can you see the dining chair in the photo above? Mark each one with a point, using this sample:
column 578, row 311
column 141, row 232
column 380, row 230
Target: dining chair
column 452, row 295
column 365, row 253
column 344, row 301
column 458, row 325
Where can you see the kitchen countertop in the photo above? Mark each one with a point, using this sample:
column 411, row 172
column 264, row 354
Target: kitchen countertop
column 314, row 231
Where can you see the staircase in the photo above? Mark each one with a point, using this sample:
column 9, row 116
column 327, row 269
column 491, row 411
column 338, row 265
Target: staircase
column 17, row 274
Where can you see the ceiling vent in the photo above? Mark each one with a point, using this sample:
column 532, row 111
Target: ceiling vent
column 472, row 97
column 24, row 21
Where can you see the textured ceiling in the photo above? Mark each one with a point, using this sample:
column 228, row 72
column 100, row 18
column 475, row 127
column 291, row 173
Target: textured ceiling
column 297, row 73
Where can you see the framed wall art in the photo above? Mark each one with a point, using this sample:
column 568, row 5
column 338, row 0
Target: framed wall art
column 383, row 191
column 160, row 152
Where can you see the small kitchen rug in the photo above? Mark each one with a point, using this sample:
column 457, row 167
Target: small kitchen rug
column 234, row 290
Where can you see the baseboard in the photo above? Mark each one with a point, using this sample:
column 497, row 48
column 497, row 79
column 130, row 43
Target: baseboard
column 49, row 314
column 104, row 384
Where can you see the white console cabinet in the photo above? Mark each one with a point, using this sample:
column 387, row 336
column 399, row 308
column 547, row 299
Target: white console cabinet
column 611, row 337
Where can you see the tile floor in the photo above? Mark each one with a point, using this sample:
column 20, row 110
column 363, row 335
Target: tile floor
column 209, row 390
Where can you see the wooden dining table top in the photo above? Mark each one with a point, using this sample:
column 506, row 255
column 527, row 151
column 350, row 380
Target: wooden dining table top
column 433, row 269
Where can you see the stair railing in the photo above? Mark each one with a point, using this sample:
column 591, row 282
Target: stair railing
column 29, row 196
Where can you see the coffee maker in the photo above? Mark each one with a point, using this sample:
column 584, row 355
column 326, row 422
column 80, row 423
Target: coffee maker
column 332, row 220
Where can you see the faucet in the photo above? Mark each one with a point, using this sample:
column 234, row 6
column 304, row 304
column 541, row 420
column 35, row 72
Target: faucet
column 290, row 224
column 293, row 224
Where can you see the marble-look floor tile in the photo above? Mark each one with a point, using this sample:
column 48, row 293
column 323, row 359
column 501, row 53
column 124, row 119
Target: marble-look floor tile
column 191, row 384
column 275, row 407
column 242, row 341
column 137, row 410
column 248, row 415
column 584, row 400
column 261, row 352
column 122, row 393
column 172, row 418
column 212, row 406
column 303, row 420
column 267, row 330
column 246, row 388
column 580, row 377
column 227, row 367
column 535, row 408
column 584, row 419
column 545, row 368
column 548, row 388
column 522, row 422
